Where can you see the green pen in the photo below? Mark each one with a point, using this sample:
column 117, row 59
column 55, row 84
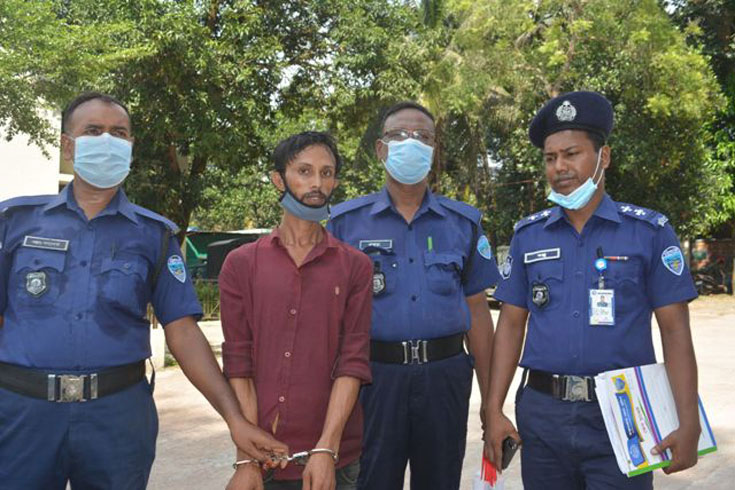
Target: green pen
column 429, row 243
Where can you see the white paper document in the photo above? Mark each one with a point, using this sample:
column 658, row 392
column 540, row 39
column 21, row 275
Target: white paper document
column 639, row 411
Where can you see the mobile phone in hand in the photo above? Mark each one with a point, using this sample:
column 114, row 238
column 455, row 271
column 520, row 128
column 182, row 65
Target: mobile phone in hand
column 510, row 446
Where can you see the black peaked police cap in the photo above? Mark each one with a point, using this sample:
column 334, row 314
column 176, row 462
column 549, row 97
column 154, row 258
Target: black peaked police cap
column 589, row 111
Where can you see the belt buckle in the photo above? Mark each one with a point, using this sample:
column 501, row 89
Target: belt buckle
column 576, row 389
column 417, row 352
column 71, row 388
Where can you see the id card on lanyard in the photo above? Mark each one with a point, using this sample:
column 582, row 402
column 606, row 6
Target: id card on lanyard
column 602, row 301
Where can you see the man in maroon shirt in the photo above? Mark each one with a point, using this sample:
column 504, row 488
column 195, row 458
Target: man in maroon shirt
column 296, row 310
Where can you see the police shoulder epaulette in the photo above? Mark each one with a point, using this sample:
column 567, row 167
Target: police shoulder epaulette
column 156, row 217
column 470, row 212
column 539, row 217
column 16, row 202
column 653, row 218
column 352, row 204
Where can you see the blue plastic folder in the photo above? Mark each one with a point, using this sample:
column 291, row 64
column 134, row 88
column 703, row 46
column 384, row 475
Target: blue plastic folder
column 639, row 411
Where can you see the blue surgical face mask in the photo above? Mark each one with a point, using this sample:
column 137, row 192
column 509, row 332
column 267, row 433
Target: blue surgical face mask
column 580, row 196
column 290, row 203
column 409, row 161
column 102, row 161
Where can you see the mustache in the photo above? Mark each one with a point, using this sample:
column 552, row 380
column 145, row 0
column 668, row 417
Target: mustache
column 314, row 194
column 561, row 177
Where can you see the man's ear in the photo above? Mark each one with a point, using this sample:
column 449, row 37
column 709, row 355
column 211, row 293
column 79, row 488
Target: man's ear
column 67, row 148
column 381, row 150
column 605, row 158
column 277, row 180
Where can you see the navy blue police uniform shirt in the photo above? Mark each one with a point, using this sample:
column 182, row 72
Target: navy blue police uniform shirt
column 422, row 272
column 551, row 263
column 74, row 292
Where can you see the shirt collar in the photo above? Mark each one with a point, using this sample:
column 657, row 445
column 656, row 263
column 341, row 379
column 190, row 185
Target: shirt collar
column 328, row 242
column 430, row 202
column 605, row 210
column 118, row 204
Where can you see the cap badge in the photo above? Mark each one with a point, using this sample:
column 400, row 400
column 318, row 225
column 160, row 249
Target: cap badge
column 566, row 112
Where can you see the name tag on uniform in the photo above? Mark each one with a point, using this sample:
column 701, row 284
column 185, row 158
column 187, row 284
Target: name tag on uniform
column 539, row 255
column 385, row 244
column 46, row 243
column 602, row 307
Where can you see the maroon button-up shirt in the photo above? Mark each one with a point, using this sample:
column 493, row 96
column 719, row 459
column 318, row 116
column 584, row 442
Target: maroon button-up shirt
column 294, row 330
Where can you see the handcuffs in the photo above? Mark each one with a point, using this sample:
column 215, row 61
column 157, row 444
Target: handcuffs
column 300, row 458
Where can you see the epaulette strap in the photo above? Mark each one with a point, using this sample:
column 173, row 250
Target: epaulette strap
column 470, row 212
column 24, row 201
column 653, row 218
column 539, row 217
column 172, row 227
column 352, row 204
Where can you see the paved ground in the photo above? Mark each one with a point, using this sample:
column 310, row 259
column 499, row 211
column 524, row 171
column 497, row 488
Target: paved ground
column 195, row 452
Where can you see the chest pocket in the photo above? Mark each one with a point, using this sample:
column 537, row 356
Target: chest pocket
column 443, row 272
column 625, row 278
column 38, row 275
column 545, row 284
column 123, row 284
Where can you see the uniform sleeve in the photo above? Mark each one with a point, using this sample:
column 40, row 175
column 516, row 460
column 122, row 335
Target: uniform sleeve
column 334, row 228
column 174, row 296
column 4, row 266
column 513, row 287
column 354, row 355
column 484, row 268
column 669, row 279
column 235, row 308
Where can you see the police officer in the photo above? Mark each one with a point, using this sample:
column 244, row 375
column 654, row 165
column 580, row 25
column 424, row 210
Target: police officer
column 590, row 272
column 77, row 271
column 431, row 266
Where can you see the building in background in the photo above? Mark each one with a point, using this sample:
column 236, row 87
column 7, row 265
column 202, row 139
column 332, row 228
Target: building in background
column 26, row 171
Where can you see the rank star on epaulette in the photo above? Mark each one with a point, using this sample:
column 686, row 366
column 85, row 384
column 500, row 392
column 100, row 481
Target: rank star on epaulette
column 662, row 220
column 639, row 212
column 626, row 209
column 546, row 213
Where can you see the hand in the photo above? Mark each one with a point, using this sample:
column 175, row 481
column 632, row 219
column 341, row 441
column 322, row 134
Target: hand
column 683, row 444
column 319, row 473
column 255, row 442
column 500, row 427
column 246, row 477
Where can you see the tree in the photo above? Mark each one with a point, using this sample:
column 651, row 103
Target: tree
column 42, row 61
column 711, row 25
column 507, row 58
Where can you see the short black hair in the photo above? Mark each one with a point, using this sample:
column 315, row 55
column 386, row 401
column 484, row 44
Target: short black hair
column 406, row 104
column 288, row 148
column 86, row 97
column 598, row 141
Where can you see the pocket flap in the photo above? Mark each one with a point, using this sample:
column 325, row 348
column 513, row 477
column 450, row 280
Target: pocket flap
column 37, row 259
column 433, row 258
column 125, row 266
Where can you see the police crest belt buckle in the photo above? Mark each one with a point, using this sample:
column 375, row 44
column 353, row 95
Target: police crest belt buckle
column 576, row 389
column 71, row 387
column 414, row 351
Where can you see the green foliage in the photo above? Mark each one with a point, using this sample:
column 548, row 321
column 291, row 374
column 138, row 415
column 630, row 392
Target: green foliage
column 507, row 58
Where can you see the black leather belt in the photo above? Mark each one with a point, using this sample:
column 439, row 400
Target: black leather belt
column 69, row 387
column 416, row 351
column 562, row 387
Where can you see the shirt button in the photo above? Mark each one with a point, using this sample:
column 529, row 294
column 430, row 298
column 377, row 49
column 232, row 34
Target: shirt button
column 578, row 273
column 410, row 227
column 83, row 263
column 575, row 314
column 127, row 265
column 410, row 261
column 78, row 316
column 292, row 311
column 287, row 354
column 413, row 298
column 281, row 399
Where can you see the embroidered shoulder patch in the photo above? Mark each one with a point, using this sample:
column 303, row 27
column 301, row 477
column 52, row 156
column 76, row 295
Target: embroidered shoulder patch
column 673, row 260
column 177, row 268
column 484, row 248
